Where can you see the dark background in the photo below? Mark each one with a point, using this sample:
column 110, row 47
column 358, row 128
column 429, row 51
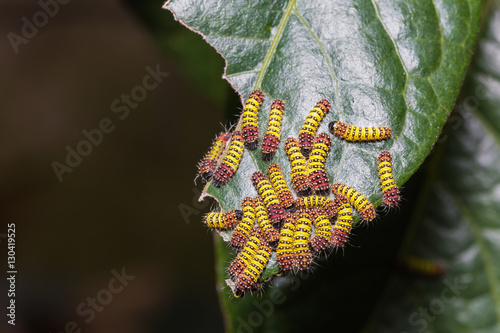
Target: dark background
column 120, row 207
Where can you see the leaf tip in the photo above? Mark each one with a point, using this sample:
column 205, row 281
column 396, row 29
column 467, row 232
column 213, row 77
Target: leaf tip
column 166, row 4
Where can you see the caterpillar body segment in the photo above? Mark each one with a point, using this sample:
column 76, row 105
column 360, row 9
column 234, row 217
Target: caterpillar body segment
column 313, row 201
column 285, row 254
column 208, row 163
column 311, row 124
column 356, row 134
column 272, row 136
column 223, row 220
column 250, row 124
column 245, row 255
column 268, row 195
column 247, row 280
column 343, row 225
column 316, row 166
column 270, row 234
column 298, row 163
column 322, row 230
column 231, row 161
column 364, row 207
column 390, row 190
column 303, row 228
column 244, row 228
column 280, row 186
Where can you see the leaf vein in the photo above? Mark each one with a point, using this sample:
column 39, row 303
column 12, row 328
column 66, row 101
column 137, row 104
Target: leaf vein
column 238, row 37
column 396, row 49
column 241, row 73
column 274, row 43
column 325, row 55
column 479, row 240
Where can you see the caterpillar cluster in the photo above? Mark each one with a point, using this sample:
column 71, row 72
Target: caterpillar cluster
column 220, row 163
column 315, row 225
column 275, row 223
column 206, row 166
column 302, row 236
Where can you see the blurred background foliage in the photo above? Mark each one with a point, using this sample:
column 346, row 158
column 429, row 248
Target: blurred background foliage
column 122, row 206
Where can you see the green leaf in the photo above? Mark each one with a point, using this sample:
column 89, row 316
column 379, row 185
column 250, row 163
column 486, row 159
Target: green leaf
column 388, row 63
column 459, row 220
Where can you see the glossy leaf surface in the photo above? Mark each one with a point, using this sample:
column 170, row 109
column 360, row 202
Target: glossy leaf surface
column 388, row 63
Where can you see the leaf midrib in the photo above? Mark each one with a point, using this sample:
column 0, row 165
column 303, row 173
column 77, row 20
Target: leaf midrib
column 274, row 43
